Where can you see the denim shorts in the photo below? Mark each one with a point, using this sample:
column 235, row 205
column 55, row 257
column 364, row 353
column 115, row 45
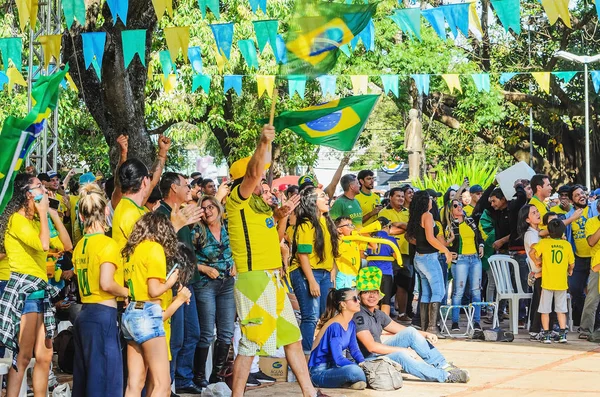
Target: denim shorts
column 142, row 321
column 32, row 306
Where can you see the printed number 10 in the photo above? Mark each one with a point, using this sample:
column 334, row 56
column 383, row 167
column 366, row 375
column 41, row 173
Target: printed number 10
column 557, row 256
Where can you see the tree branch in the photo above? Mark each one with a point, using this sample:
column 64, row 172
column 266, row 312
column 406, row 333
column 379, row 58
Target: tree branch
column 160, row 130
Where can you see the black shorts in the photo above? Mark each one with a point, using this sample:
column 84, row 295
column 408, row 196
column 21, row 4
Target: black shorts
column 387, row 288
column 403, row 280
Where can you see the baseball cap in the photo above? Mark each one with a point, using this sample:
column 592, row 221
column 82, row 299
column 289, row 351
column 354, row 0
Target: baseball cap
column 51, row 174
column 597, row 192
column 43, row 177
column 433, row 193
column 86, row 178
column 282, row 188
column 476, row 189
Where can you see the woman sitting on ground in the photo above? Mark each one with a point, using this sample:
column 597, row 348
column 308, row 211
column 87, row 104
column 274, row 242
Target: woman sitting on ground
column 328, row 364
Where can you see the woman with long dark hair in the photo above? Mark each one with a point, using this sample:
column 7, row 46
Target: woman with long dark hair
column 314, row 248
column 98, row 365
column 155, row 262
column 328, row 364
column 25, row 240
column 422, row 230
column 468, row 246
column 214, row 290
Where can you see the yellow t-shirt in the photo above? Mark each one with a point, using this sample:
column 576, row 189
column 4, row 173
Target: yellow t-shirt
column 147, row 261
column 89, row 255
column 397, row 216
column 349, row 260
column 468, row 209
column 557, row 210
column 305, row 240
column 165, row 301
column 126, row 215
column 596, row 261
column 466, row 244
column 76, row 232
column 582, row 248
column 557, row 255
column 24, row 247
column 62, row 208
column 591, row 226
column 4, row 269
column 368, row 202
column 253, row 233
column 541, row 207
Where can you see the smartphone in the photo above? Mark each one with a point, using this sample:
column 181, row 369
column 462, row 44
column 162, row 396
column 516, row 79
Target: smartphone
column 53, row 203
column 79, row 170
column 172, row 270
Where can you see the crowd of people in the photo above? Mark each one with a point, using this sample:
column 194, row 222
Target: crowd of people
column 154, row 268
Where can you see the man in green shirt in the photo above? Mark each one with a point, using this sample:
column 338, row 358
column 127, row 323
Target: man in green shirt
column 346, row 204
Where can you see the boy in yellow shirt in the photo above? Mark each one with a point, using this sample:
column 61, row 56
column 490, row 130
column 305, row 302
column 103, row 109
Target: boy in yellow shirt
column 348, row 263
column 556, row 258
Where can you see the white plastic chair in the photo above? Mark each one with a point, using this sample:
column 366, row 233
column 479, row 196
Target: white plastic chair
column 500, row 265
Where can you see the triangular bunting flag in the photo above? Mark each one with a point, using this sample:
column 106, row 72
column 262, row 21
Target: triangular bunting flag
column 596, row 78
column 597, row 7
column 453, row 82
column 509, row 14
column 435, row 16
column 201, row 80
column 28, row 10
column 557, row 9
column 15, row 77
column 280, row 52
column 178, row 37
column 50, row 48
column 248, row 50
column 457, row 16
column 71, row 82
column 232, row 81
column 422, row 82
column 565, row 77
column 367, row 35
column 359, row 84
column 195, row 57
column 346, row 50
column 223, row 33
column 390, row 83
column 409, row 21
column 265, row 83
column 255, row 4
column 212, row 5
column 166, row 63
column 543, row 80
column 134, row 42
column 12, row 49
column 169, row 82
column 118, row 8
column 328, row 84
column 3, row 80
column 160, row 6
column 482, row 81
column 93, row 50
column 74, row 9
column 297, row 83
column 221, row 60
column 504, row 77
column 266, row 32
column 474, row 21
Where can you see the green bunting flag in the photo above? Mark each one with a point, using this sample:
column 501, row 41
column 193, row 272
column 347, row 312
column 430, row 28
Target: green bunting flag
column 134, row 42
column 317, row 31
column 248, row 50
column 336, row 124
column 11, row 48
column 266, row 32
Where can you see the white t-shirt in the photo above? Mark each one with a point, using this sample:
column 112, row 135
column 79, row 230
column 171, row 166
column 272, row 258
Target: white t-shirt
column 531, row 237
column 109, row 218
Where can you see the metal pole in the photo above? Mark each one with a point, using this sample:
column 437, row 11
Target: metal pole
column 587, row 131
column 530, row 107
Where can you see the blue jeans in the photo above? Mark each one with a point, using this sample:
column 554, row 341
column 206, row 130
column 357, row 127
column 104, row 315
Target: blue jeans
column 143, row 323
column 430, row 369
column 444, row 267
column 216, row 306
column 577, row 283
column 310, row 308
column 467, row 267
column 324, row 375
column 432, row 279
column 185, row 334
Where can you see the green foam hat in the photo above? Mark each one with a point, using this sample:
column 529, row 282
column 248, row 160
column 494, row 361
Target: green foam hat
column 369, row 279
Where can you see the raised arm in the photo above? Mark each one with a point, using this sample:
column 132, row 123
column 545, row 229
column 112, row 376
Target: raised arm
column 164, row 144
column 123, row 141
column 330, row 189
column 258, row 162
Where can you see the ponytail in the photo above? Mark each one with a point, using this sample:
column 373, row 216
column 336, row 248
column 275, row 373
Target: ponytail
column 334, row 298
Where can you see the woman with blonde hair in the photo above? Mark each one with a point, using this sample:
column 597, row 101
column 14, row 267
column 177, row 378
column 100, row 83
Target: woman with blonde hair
column 155, row 261
column 98, row 365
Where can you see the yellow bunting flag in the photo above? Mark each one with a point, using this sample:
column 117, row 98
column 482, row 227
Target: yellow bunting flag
column 28, row 10
column 543, row 80
column 150, row 70
column 453, row 82
column 50, row 48
column 220, row 61
column 359, row 84
column 557, row 9
column 474, row 22
column 71, row 83
column 170, row 82
column 161, row 5
column 178, row 37
column 15, row 77
column 265, row 83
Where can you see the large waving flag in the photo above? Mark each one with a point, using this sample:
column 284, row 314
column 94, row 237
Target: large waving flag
column 317, row 31
column 336, row 124
column 18, row 135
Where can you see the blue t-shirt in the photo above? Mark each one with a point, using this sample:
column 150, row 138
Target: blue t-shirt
column 383, row 250
column 333, row 343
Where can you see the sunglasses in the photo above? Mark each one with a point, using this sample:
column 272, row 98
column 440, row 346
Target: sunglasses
column 350, row 225
column 456, row 205
column 353, row 298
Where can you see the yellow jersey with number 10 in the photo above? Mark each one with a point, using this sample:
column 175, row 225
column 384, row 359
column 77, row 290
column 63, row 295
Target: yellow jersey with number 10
column 557, row 255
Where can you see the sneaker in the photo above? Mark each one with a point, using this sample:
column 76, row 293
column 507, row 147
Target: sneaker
column 535, row 336
column 458, row 376
column 263, row 378
column 584, row 335
column 52, row 381
column 477, row 326
column 546, row 337
column 252, row 381
column 562, row 337
column 404, row 318
column 554, row 335
column 522, row 324
column 449, row 367
column 360, row 385
column 455, row 327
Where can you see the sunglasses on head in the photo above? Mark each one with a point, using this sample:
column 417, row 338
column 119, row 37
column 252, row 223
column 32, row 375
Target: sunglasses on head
column 456, row 205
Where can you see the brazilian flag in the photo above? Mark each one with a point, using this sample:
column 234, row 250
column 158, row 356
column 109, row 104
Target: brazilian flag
column 336, row 124
column 317, row 31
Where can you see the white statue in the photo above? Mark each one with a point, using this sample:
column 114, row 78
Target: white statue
column 413, row 144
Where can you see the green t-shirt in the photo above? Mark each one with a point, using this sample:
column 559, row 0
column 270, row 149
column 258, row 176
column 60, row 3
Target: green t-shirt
column 343, row 206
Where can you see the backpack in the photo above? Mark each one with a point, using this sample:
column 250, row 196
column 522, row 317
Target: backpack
column 383, row 373
column 64, row 345
column 494, row 335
